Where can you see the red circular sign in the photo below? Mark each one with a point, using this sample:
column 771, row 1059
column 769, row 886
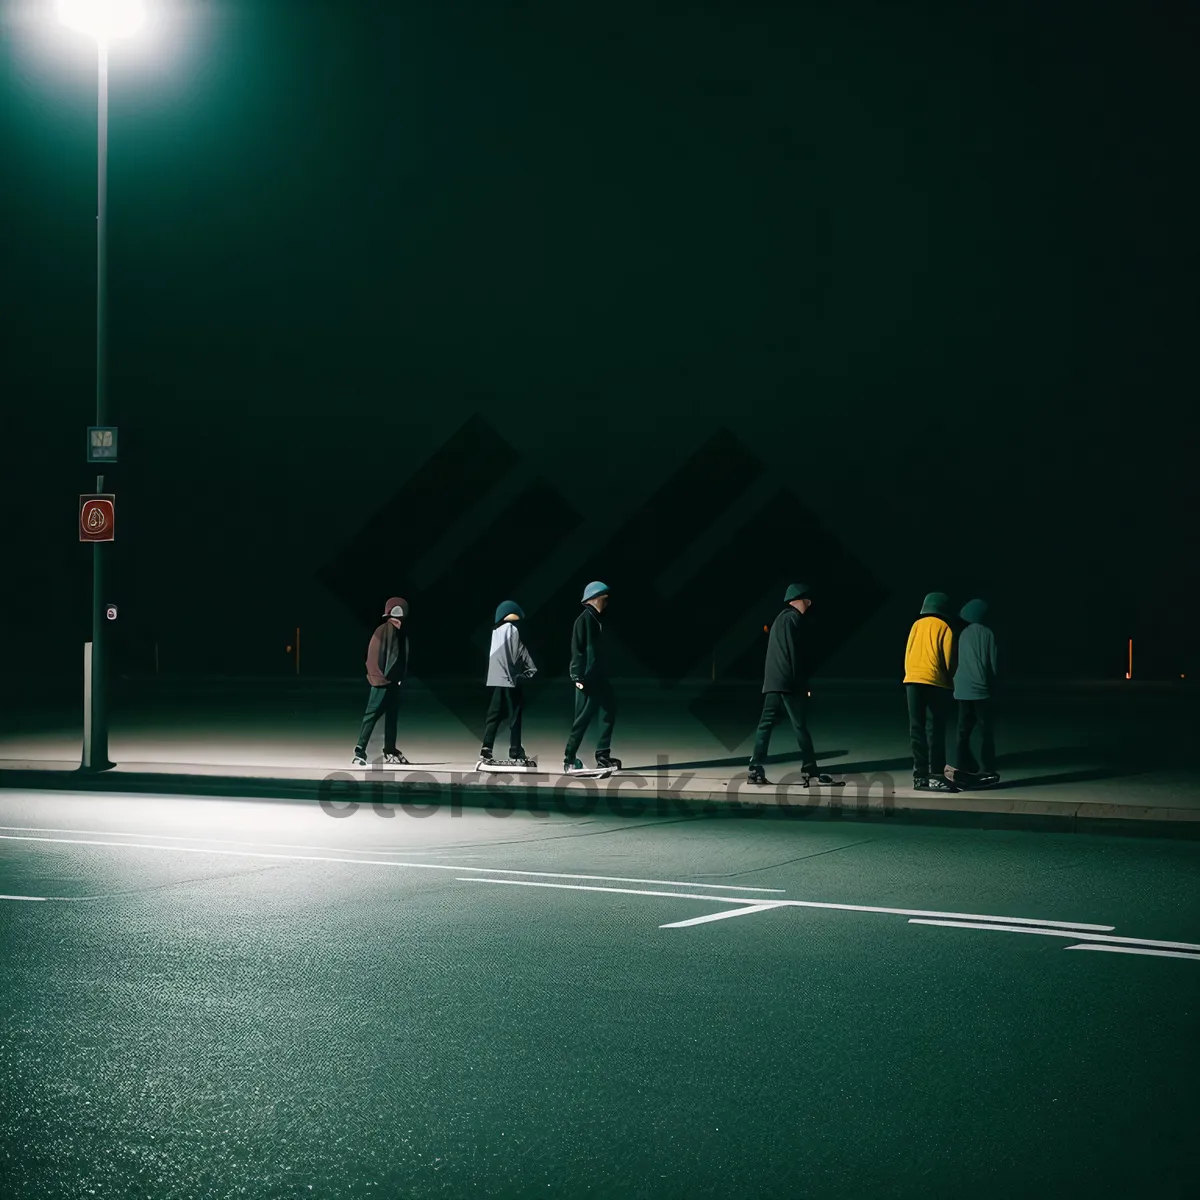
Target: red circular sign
column 96, row 521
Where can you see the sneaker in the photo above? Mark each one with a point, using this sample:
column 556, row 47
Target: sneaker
column 486, row 754
column 394, row 758
column 606, row 762
column 757, row 776
column 359, row 759
column 920, row 783
column 812, row 777
column 571, row 764
column 939, row 783
column 990, row 779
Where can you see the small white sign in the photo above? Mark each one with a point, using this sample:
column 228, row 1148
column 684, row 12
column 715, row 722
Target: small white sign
column 102, row 443
column 111, row 612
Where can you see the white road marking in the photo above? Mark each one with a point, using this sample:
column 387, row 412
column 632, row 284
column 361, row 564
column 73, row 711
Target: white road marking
column 1096, row 937
column 745, row 906
column 1068, row 926
column 191, row 837
column 1135, row 950
column 8, row 837
column 743, row 911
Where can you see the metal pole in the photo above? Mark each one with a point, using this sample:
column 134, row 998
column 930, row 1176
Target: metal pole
column 297, row 649
column 95, row 751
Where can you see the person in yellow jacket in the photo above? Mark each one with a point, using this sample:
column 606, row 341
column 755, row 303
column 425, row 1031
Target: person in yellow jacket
column 929, row 684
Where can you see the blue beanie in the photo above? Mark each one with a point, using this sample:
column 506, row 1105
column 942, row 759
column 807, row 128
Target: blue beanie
column 509, row 608
column 594, row 589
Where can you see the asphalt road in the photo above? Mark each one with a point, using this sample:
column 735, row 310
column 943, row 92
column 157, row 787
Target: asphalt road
column 228, row 999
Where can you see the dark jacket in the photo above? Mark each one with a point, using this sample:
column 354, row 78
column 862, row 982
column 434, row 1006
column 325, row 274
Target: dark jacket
column 789, row 653
column 387, row 655
column 975, row 670
column 588, row 659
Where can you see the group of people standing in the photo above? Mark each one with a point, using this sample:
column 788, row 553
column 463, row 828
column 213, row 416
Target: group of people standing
column 939, row 667
column 939, row 670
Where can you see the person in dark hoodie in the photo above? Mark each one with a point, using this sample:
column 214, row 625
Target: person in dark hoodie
column 509, row 666
column 974, row 681
column 928, row 676
column 387, row 665
column 789, row 664
column 589, row 674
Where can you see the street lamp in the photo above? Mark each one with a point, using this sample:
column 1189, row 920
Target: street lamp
column 102, row 19
column 105, row 20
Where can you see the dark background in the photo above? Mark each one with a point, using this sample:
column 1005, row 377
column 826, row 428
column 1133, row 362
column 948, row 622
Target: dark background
column 933, row 265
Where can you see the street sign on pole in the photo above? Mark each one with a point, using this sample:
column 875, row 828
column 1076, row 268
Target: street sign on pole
column 97, row 517
column 102, row 444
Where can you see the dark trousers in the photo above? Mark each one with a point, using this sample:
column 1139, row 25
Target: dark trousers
column 775, row 704
column 928, row 707
column 508, row 703
column 974, row 714
column 595, row 697
column 385, row 702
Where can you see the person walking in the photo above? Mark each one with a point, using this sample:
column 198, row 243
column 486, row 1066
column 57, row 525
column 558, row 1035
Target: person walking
column 387, row 666
column 974, row 682
column 928, row 676
column 509, row 667
column 786, row 673
column 593, row 689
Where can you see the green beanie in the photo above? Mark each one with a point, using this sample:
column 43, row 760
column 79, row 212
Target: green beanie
column 936, row 604
column 797, row 591
column 509, row 608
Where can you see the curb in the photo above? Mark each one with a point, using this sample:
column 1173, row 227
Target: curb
column 341, row 794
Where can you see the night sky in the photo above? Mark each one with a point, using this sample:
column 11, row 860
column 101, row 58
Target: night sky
column 932, row 266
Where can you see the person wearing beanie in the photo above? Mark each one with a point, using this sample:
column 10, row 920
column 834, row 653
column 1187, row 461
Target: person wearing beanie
column 786, row 672
column 387, row 666
column 509, row 667
column 928, row 679
column 974, row 681
column 593, row 689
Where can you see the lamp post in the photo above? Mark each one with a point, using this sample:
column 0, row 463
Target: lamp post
column 103, row 20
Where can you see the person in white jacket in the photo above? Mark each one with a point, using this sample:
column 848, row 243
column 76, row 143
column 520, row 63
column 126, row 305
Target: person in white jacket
column 509, row 666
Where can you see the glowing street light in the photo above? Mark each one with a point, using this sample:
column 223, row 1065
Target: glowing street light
column 104, row 20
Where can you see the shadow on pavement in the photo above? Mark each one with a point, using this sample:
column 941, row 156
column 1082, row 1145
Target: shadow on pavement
column 739, row 760
column 877, row 764
column 1049, row 756
column 1088, row 776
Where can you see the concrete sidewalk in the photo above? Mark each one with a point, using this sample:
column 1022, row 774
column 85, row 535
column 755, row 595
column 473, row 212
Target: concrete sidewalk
column 1089, row 760
column 654, row 793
